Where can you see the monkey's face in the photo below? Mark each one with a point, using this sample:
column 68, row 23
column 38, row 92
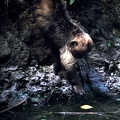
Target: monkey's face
column 80, row 45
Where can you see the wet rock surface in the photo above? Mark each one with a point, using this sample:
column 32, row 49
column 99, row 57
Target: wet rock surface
column 106, row 63
column 22, row 54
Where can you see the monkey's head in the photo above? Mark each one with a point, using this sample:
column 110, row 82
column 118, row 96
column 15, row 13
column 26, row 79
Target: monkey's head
column 80, row 45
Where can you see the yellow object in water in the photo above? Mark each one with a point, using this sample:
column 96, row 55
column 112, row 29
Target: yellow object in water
column 86, row 107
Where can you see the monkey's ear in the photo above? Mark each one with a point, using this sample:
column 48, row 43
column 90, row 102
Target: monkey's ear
column 72, row 45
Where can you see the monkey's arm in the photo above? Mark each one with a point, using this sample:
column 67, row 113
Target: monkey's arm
column 68, row 63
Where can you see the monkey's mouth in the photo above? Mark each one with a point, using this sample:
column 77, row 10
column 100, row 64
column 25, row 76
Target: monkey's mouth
column 83, row 51
column 79, row 54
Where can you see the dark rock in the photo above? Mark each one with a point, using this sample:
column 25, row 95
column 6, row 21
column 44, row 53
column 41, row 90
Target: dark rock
column 5, row 50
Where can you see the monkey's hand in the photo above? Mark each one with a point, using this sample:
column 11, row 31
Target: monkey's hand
column 79, row 89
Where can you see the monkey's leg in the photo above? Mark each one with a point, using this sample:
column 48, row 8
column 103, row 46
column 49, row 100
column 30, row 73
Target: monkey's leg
column 57, row 64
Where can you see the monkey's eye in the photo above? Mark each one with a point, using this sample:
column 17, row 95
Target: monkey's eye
column 73, row 44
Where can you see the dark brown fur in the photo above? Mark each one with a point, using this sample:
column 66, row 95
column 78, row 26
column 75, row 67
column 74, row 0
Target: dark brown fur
column 65, row 37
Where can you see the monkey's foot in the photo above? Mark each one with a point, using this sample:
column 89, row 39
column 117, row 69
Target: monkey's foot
column 78, row 89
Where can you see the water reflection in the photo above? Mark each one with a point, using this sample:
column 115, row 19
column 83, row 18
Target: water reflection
column 105, row 110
